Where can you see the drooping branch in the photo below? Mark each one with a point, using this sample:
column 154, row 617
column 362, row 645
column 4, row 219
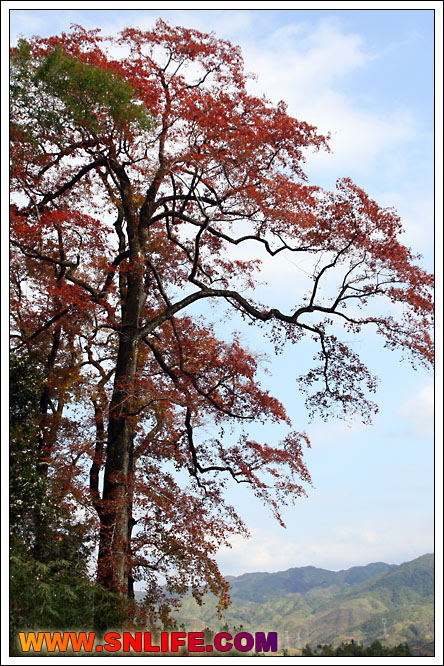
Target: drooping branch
column 197, row 467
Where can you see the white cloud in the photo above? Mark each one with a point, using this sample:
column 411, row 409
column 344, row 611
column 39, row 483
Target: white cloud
column 336, row 432
column 312, row 57
column 419, row 410
column 338, row 547
column 24, row 23
column 302, row 64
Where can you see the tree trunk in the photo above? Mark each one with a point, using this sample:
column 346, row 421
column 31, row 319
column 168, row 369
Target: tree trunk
column 114, row 568
column 114, row 562
column 117, row 488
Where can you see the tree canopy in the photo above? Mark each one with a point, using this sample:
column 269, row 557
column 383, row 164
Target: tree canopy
column 138, row 164
column 352, row 649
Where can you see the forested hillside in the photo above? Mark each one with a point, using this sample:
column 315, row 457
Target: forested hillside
column 311, row 605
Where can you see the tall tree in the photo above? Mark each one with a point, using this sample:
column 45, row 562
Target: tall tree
column 139, row 163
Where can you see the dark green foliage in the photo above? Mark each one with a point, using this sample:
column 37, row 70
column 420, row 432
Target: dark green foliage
column 87, row 91
column 52, row 591
column 25, row 383
column 29, row 491
column 422, row 649
column 48, row 595
column 61, row 99
column 33, row 499
column 352, row 649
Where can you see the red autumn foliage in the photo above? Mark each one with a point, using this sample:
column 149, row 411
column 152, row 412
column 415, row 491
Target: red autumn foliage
column 138, row 164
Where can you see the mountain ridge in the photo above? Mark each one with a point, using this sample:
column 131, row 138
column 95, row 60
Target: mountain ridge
column 301, row 579
column 313, row 605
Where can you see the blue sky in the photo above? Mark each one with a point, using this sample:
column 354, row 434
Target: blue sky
column 367, row 77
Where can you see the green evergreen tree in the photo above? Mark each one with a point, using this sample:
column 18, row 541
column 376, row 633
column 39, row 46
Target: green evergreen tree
column 54, row 590
column 352, row 649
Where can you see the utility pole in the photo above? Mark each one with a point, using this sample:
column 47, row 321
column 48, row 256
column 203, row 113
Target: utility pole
column 287, row 644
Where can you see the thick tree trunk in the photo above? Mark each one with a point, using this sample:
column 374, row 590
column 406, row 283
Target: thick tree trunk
column 114, row 568
column 117, row 489
column 114, row 562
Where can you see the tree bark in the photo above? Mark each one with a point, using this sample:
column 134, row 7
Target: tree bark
column 114, row 569
column 117, row 488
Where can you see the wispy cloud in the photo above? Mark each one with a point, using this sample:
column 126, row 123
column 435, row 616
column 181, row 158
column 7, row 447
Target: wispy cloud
column 339, row 547
column 419, row 410
column 304, row 64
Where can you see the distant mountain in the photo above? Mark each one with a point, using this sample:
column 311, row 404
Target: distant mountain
column 407, row 583
column 311, row 605
column 266, row 586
